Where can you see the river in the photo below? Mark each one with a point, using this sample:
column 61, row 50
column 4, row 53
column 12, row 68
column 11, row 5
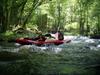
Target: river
column 79, row 57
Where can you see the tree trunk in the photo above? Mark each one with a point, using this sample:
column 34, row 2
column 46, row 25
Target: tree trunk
column 42, row 22
column 3, row 25
column 81, row 22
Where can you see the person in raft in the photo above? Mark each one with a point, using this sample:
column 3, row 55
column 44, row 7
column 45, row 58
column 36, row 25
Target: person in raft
column 40, row 37
column 58, row 35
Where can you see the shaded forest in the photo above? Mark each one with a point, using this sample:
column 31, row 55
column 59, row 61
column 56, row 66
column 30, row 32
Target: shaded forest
column 76, row 17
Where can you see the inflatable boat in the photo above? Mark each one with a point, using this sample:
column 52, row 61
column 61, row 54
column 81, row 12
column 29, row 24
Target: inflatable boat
column 29, row 41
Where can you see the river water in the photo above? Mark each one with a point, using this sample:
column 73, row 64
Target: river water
column 79, row 57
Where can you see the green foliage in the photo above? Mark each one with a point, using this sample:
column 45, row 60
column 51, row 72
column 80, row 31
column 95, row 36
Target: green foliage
column 42, row 22
column 17, row 13
column 59, row 13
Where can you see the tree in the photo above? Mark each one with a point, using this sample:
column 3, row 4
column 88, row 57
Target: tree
column 14, row 13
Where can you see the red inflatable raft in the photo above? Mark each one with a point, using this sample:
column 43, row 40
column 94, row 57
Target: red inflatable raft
column 39, row 43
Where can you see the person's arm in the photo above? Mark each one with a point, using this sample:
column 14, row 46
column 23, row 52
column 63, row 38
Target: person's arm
column 49, row 35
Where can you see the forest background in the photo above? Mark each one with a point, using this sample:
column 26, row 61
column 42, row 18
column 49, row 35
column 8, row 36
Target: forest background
column 73, row 17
